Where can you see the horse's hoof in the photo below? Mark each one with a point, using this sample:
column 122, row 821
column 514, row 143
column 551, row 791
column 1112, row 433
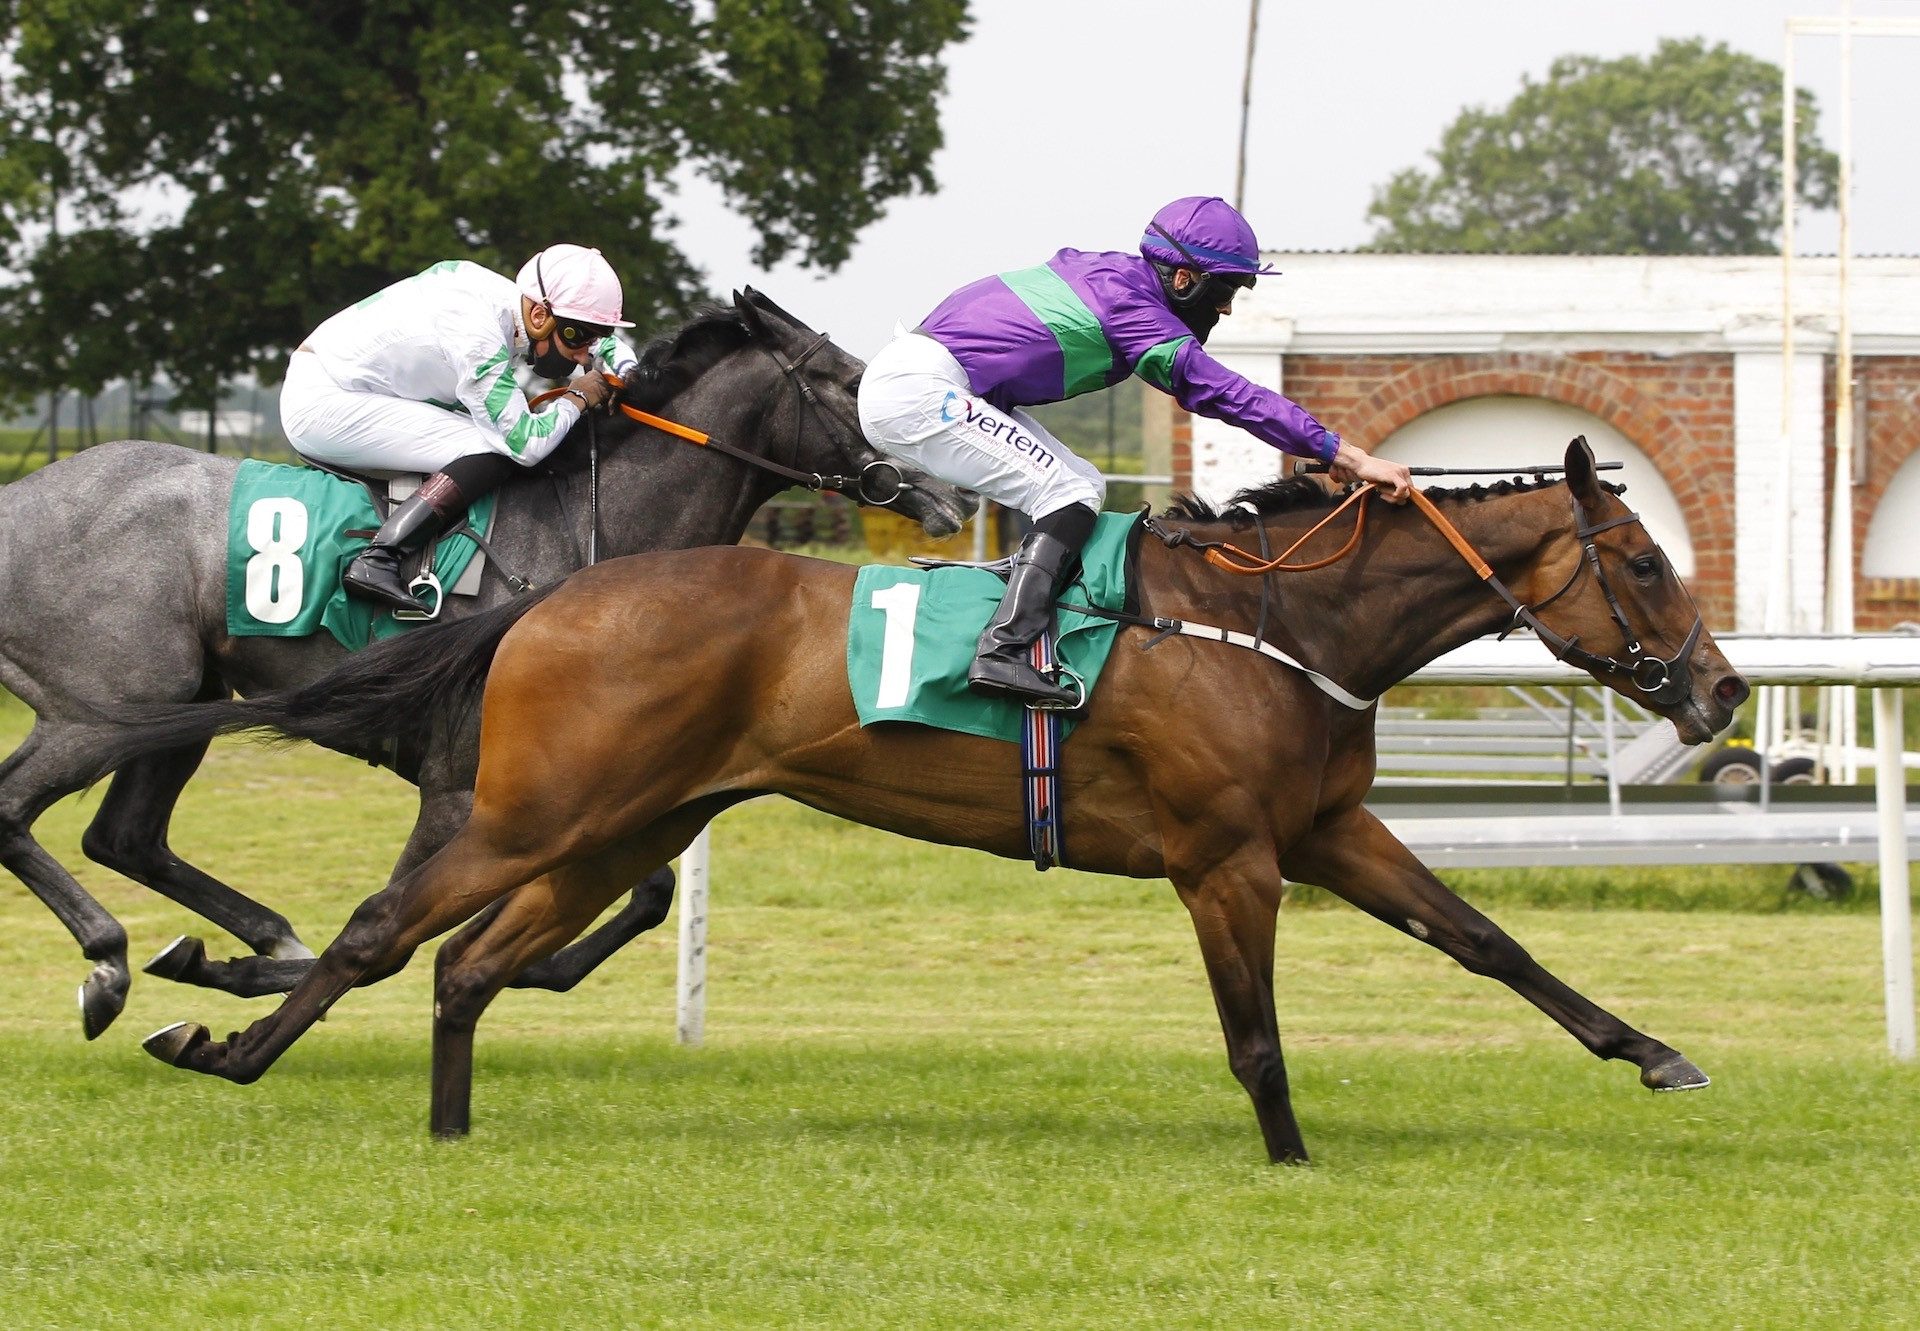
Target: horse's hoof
column 171, row 1044
column 290, row 949
column 102, row 997
column 1675, row 1072
column 178, row 959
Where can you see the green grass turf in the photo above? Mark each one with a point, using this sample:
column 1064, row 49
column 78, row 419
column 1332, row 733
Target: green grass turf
column 942, row 1089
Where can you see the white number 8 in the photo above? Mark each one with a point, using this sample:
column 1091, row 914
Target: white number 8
column 276, row 580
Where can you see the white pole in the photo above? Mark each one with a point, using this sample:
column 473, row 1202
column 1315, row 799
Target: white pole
column 1896, row 908
column 691, row 1023
column 1840, row 522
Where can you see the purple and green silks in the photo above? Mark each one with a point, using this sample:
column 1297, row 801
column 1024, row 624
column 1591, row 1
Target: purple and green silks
column 1083, row 321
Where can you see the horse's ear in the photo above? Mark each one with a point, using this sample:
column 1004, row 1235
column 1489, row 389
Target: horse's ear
column 1582, row 479
column 749, row 313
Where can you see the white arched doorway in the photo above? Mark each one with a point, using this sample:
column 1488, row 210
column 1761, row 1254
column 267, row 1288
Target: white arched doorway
column 1533, row 432
column 1893, row 533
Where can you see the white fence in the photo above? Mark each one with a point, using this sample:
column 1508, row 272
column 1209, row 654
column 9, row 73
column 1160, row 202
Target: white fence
column 1885, row 663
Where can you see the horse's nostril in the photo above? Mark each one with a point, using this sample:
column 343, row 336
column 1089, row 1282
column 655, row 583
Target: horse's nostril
column 1731, row 690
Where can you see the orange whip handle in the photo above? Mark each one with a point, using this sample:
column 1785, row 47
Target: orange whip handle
column 686, row 432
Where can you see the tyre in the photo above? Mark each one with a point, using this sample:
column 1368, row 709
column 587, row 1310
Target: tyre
column 1822, row 882
column 1793, row 772
column 1737, row 765
column 1731, row 765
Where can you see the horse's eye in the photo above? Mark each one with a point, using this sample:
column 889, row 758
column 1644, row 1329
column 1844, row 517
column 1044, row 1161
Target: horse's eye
column 1646, row 566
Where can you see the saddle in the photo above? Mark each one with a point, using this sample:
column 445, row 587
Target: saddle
column 388, row 488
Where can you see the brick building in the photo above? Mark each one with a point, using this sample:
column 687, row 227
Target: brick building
column 1671, row 365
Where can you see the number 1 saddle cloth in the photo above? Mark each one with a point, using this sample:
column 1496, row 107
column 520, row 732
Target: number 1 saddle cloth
column 911, row 634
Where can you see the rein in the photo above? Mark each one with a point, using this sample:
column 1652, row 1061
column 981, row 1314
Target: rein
column 1662, row 680
column 863, row 488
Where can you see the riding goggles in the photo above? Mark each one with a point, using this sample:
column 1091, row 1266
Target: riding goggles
column 574, row 335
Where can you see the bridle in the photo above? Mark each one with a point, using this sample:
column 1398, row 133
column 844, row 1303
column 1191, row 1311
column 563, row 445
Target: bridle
column 864, row 488
column 1663, row 681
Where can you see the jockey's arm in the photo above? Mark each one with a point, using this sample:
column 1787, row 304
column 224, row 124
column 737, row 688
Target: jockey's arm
column 491, row 394
column 1205, row 387
column 611, row 354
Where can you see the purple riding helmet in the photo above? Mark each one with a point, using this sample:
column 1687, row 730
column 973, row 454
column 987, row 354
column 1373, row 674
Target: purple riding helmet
column 1209, row 236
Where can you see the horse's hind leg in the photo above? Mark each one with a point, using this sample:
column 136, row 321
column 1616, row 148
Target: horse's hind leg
column 478, row 962
column 185, row 960
column 467, row 875
column 1357, row 858
column 129, row 836
column 651, row 901
column 50, row 763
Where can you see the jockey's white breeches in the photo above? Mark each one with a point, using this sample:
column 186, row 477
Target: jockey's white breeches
column 369, row 431
column 916, row 405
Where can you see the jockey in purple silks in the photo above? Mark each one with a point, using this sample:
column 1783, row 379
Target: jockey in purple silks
column 947, row 398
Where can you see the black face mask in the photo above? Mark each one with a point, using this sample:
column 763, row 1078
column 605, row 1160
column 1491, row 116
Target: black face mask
column 1198, row 307
column 1200, row 319
column 554, row 363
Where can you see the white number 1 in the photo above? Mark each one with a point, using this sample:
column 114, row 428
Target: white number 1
column 901, row 602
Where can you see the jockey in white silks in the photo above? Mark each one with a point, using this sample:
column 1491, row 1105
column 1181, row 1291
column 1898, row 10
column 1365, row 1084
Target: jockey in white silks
column 420, row 377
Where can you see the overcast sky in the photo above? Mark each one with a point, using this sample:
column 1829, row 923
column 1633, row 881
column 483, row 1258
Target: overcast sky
column 1068, row 122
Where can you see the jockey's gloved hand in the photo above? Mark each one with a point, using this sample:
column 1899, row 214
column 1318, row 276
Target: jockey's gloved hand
column 594, row 388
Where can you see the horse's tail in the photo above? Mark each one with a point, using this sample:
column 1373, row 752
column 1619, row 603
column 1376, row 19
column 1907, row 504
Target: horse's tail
column 398, row 689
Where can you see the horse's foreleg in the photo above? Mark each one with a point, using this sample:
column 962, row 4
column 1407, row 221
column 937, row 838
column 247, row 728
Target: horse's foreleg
column 50, row 763
column 466, row 876
column 1234, row 904
column 651, row 901
column 482, row 959
column 1356, row 858
column 129, row 836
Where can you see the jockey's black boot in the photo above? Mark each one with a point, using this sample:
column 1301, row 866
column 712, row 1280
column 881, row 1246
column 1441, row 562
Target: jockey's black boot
column 374, row 573
column 437, row 505
column 1041, row 567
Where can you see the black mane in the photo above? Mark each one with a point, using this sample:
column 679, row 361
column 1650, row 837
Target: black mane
column 671, row 362
column 1302, row 493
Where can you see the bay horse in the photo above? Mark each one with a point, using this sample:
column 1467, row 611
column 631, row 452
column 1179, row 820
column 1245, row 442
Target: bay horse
column 113, row 591
column 1196, row 760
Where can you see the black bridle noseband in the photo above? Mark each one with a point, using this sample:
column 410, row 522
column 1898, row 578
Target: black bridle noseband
column 859, row 488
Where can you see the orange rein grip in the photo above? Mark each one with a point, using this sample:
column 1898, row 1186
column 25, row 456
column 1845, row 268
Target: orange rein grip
column 1229, row 558
column 686, row 432
column 1480, row 567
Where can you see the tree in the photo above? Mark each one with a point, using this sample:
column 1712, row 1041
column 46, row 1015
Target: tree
column 1676, row 153
column 188, row 186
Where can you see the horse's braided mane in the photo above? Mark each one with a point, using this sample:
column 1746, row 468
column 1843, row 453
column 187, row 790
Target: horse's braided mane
column 1304, row 493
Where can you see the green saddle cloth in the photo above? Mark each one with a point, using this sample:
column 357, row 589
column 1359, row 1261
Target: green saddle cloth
column 287, row 542
column 911, row 634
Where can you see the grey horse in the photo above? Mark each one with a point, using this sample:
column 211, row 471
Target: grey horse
column 113, row 591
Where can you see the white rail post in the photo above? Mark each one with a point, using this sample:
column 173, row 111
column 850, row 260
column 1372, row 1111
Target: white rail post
column 1896, row 919
column 691, row 1009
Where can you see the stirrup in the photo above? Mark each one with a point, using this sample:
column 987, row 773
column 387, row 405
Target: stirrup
column 423, row 581
column 1067, row 676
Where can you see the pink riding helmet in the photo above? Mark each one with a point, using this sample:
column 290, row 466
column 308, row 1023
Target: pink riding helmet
column 575, row 282
column 1204, row 231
